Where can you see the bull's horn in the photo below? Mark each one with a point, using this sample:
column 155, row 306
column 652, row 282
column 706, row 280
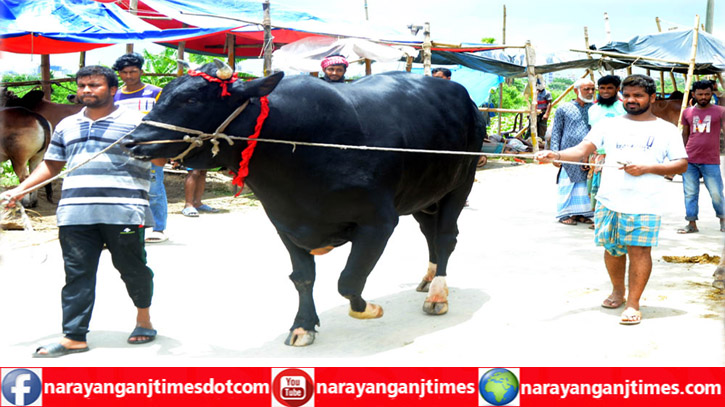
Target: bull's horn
column 223, row 71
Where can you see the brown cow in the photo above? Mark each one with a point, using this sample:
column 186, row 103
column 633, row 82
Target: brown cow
column 35, row 102
column 24, row 137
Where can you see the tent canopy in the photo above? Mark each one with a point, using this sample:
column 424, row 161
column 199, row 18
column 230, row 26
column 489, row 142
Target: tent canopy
column 672, row 46
column 511, row 62
column 62, row 26
column 287, row 25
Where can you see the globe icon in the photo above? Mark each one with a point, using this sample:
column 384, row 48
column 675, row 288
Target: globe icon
column 498, row 387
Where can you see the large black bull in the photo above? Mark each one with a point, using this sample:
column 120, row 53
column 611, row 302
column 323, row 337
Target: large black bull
column 320, row 198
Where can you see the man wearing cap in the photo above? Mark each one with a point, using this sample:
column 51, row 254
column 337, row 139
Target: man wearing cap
column 334, row 67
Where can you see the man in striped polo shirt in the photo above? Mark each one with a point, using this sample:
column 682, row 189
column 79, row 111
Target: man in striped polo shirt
column 103, row 202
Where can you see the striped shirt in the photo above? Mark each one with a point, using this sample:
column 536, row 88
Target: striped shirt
column 112, row 188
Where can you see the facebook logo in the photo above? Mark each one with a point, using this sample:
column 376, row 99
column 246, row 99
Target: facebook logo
column 22, row 387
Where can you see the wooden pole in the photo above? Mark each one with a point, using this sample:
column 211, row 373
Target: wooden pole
column 231, row 52
column 586, row 46
column 530, row 72
column 607, row 29
column 368, row 67
column 662, row 84
column 180, row 56
column 45, row 75
column 133, row 9
column 426, row 49
column 690, row 70
column 82, row 60
column 267, row 50
column 674, row 81
column 659, row 27
column 408, row 63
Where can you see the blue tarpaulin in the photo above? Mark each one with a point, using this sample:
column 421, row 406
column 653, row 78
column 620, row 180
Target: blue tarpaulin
column 672, row 46
column 61, row 26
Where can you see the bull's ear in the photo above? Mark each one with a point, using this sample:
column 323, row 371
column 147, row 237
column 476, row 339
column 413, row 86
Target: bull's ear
column 262, row 86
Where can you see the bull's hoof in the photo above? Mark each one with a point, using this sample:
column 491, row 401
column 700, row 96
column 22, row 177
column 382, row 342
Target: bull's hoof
column 435, row 308
column 372, row 311
column 437, row 301
column 300, row 337
column 424, row 286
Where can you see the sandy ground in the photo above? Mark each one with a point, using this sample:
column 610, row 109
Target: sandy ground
column 525, row 291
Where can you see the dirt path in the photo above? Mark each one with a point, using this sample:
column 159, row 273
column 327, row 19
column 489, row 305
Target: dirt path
column 525, row 291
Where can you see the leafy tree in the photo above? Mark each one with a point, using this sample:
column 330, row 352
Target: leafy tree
column 488, row 40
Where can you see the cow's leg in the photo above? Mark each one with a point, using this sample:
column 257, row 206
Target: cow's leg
column 302, row 332
column 368, row 244
column 21, row 170
column 428, row 225
column 436, row 303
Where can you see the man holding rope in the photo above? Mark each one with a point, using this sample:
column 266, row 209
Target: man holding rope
column 103, row 203
column 627, row 217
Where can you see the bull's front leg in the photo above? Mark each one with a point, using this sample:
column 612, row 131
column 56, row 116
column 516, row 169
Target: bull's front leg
column 368, row 244
column 302, row 332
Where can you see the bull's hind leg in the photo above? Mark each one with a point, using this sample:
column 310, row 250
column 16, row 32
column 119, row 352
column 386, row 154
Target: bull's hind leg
column 302, row 332
column 427, row 222
column 368, row 244
column 441, row 232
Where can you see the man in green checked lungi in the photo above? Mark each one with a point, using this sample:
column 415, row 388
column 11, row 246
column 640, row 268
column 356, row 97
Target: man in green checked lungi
column 641, row 148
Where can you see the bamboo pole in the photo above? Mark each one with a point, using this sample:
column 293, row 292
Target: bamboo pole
column 500, row 85
column 630, row 56
column 530, row 72
column 674, row 81
column 659, row 27
column 408, row 63
column 607, row 29
column 368, row 67
column 267, row 50
column 45, row 75
column 589, row 54
column 82, row 60
column 426, row 49
column 691, row 69
column 180, row 57
column 662, row 84
column 503, row 34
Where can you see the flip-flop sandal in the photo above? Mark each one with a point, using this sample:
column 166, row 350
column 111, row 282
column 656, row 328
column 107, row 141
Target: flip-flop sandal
column 585, row 220
column 206, row 208
column 612, row 304
column 631, row 316
column 156, row 237
column 687, row 229
column 568, row 221
column 56, row 350
column 140, row 331
column 190, row 212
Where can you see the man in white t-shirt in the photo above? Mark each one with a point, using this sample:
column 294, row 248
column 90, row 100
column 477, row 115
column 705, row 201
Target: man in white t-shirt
column 640, row 149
